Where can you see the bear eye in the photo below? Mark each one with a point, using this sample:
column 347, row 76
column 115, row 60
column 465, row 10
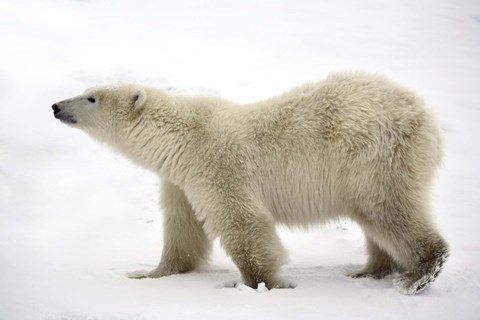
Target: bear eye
column 91, row 99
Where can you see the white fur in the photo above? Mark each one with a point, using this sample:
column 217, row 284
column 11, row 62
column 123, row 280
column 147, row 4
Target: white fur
column 354, row 145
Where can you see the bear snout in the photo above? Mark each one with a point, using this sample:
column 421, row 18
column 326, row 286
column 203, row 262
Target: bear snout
column 62, row 115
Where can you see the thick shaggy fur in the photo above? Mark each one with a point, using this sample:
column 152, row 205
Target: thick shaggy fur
column 354, row 145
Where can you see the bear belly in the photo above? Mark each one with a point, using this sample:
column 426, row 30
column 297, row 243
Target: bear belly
column 301, row 201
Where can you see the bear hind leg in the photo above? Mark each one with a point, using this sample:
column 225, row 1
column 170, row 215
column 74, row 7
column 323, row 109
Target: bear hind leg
column 379, row 265
column 403, row 230
column 434, row 253
column 406, row 235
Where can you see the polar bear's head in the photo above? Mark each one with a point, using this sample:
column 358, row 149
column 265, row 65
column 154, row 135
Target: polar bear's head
column 101, row 111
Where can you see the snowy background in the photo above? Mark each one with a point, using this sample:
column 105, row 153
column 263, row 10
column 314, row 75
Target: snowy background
column 74, row 217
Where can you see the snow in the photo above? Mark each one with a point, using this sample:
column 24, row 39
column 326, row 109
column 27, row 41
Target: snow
column 76, row 217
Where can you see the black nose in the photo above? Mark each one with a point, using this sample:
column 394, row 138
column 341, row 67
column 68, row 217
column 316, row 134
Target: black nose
column 56, row 109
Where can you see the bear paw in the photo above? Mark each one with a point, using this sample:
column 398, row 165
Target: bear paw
column 142, row 274
column 139, row 274
column 260, row 287
column 378, row 274
column 407, row 285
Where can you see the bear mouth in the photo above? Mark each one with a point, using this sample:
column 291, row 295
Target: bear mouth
column 65, row 118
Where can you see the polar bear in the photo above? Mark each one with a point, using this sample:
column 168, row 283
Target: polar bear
column 354, row 145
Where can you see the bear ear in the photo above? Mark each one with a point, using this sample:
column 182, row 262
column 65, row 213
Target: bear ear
column 139, row 97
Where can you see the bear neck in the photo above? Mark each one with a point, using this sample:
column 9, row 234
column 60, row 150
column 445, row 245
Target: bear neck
column 164, row 138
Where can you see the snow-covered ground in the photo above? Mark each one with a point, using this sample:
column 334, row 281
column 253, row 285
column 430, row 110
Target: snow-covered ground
column 74, row 217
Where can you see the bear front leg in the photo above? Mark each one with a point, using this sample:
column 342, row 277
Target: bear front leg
column 247, row 233
column 185, row 244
